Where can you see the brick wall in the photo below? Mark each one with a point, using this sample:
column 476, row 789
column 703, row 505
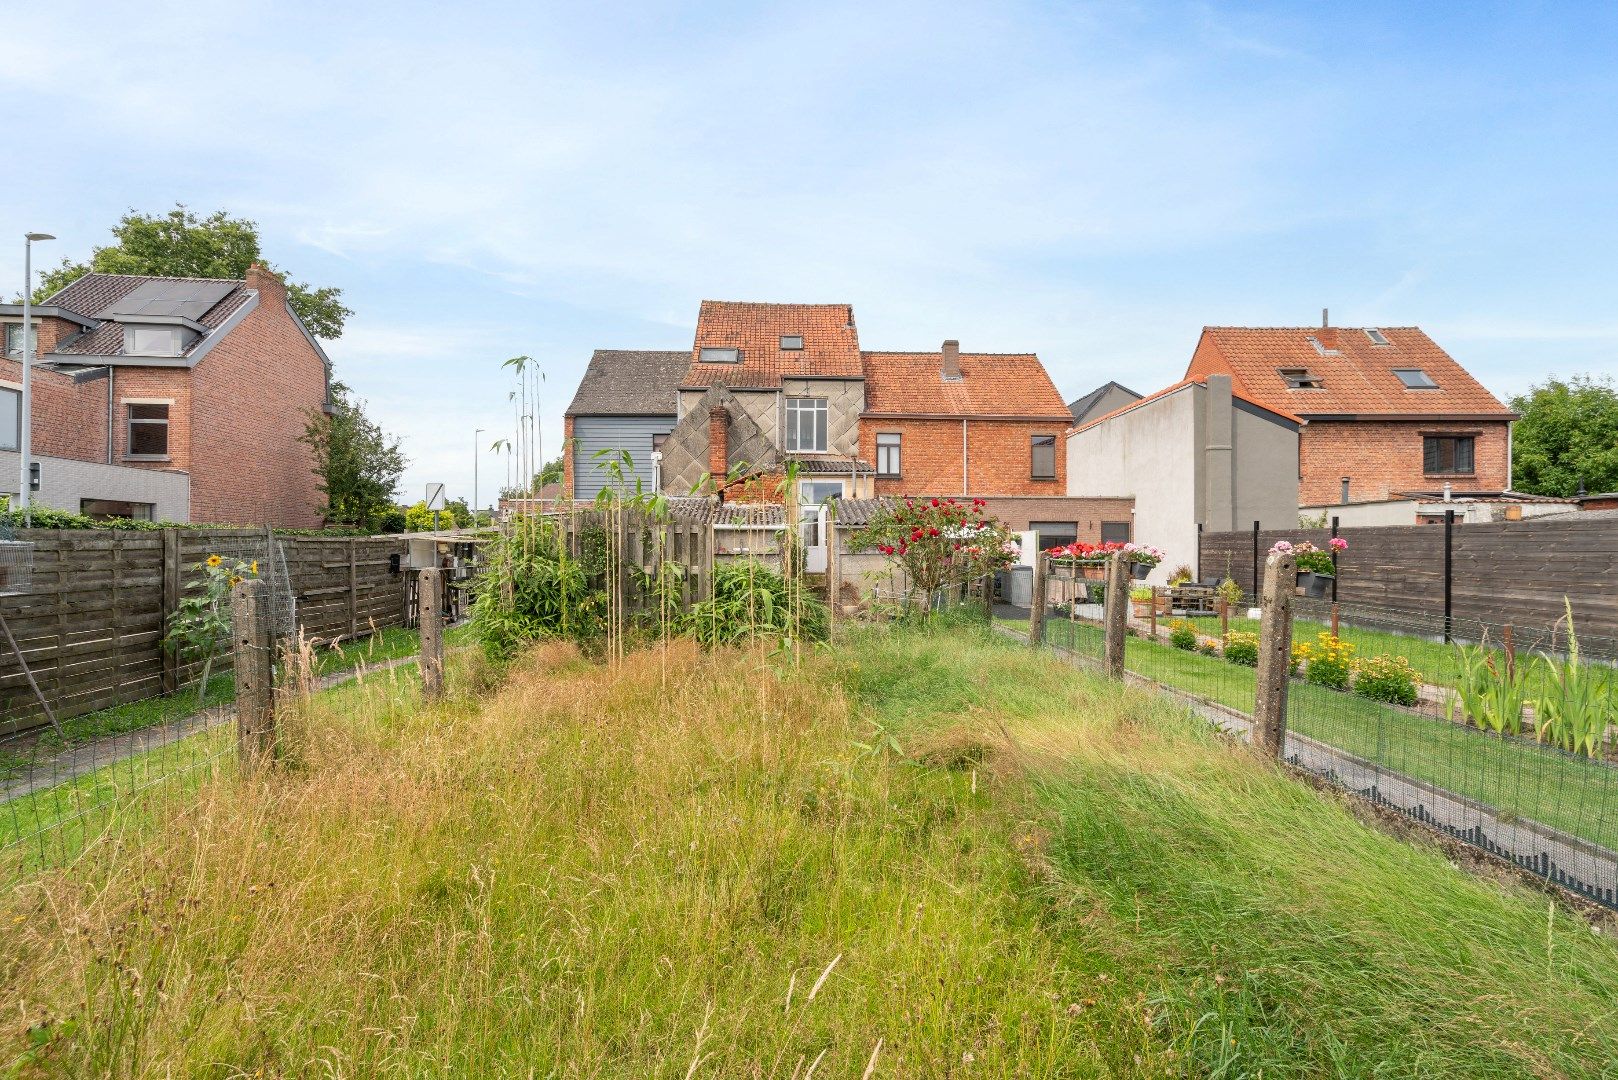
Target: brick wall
column 998, row 461
column 69, row 421
column 251, row 399
column 1384, row 457
column 567, row 457
column 1085, row 513
column 154, row 384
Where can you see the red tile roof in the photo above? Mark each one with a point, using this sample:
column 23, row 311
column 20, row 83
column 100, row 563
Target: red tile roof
column 991, row 384
column 1200, row 380
column 831, row 343
column 1356, row 374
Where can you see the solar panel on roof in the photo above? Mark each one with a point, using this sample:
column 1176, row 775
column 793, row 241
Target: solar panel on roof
column 170, row 299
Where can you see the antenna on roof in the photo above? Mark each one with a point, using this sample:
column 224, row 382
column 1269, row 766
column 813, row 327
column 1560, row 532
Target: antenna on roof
column 1325, row 321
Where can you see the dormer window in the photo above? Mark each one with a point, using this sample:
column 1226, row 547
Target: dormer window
column 720, row 356
column 1377, row 337
column 1415, row 379
column 154, row 340
column 791, row 342
column 1302, row 378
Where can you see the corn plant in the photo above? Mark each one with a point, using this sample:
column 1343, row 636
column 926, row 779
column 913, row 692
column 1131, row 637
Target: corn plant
column 1574, row 703
column 1490, row 698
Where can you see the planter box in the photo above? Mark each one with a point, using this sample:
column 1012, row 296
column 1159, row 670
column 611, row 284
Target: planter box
column 1315, row 586
column 1139, row 570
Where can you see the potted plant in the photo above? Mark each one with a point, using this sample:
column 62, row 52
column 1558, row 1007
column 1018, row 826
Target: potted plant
column 1142, row 557
column 1140, row 600
column 1317, row 568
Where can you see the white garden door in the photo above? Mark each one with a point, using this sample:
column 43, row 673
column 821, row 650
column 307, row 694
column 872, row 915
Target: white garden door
column 812, row 527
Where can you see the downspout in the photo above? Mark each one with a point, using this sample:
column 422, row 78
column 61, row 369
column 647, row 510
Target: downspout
column 1510, row 428
column 966, row 486
column 111, row 372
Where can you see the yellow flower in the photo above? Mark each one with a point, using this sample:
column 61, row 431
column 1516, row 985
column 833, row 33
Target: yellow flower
column 214, row 560
column 254, row 567
column 234, row 580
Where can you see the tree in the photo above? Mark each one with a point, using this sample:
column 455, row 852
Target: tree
column 358, row 463
column 1568, row 435
column 181, row 244
column 940, row 542
column 549, row 473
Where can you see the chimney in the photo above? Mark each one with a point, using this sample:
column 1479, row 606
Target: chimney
column 263, row 279
column 952, row 360
column 1325, row 318
column 718, row 445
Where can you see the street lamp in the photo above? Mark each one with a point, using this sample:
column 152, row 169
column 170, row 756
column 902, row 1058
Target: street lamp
column 25, row 443
column 475, row 434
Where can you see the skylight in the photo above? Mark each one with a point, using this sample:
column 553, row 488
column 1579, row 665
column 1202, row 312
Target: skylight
column 1377, row 337
column 1301, row 379
column 720, row 356
column 791, row 342
column 1415, row 379
column 1321, row 349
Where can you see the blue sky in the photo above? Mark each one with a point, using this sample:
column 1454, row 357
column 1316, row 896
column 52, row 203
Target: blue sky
column 1094, row 182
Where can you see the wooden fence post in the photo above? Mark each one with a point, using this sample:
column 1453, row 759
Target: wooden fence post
column 430, row 614
column 255, row 692
column 1511, row 651
column 353, row 592
column 1116, row 613
column 169, row 681
column 988, row 599
column 1274, row 654
column 1036, row 606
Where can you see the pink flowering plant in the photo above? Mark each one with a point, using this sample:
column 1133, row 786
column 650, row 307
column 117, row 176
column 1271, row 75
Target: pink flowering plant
column 1311, row 559
column 1144, row 554
column 941, row 541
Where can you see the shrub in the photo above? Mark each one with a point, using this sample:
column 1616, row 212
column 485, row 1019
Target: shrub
column 533, row 588
column 1329, row 661
column 1241, row 647
column 1230, row 592
column 1207, row 646
column 751, row 600
column 1386, row 678
column 1142, row 593
column 1181, row 575
column 1182, row 635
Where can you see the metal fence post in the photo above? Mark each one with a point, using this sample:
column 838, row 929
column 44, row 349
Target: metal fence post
column 255, row 693
column 1256, row 585
column 1274, row 654
column 1116, row 613
column 1335, row 520
column 1449, row 573
column 432, row 634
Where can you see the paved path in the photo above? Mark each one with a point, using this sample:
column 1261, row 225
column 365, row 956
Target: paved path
column 1571, row 862
column 111, row 749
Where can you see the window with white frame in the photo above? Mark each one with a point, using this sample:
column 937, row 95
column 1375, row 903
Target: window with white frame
column 148, row 430
column 888, row 447
column 10, row 418
column 153, row 340
column 806, row 425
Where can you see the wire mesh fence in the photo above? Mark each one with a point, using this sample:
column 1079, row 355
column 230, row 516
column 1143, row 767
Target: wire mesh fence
column 1495, row 734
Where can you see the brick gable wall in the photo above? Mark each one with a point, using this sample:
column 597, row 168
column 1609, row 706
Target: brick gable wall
column 998, row 460
column 1381, row 458
column 69, row 421
column 252, row 397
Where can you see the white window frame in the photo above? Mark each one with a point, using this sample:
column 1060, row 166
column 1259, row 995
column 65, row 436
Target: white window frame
column 718, row 355
column 887, row 450
column 795, row 411
column 129, row 434
column 791, row 337
column 1430, row 384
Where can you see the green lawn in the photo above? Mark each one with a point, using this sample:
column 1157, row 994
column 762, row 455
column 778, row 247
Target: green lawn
column 1515, row 776
column 924, row 853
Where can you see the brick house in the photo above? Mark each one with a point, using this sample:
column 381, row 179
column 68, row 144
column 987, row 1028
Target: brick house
column 147, row 385
column 768, row 385
column 1385, row 410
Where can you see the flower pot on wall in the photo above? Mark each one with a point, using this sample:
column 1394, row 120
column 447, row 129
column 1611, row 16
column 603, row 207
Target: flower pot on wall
column 1140, row 570
column 1315, row 586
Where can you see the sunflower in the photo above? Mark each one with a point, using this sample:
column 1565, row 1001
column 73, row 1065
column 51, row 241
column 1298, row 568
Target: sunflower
column 234, row 581
column 214, row 560
column 254, row 567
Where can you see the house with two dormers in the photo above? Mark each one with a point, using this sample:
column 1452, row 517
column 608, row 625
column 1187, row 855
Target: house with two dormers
column 1385, row 412
column 766, row 387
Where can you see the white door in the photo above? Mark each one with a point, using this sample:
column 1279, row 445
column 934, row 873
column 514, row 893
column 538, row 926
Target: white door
column 812, row 527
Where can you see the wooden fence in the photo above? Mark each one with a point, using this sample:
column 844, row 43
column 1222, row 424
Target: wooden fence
column 91, row 625
column 1515, row 572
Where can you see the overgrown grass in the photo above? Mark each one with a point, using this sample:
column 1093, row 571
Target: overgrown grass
column 929, row 850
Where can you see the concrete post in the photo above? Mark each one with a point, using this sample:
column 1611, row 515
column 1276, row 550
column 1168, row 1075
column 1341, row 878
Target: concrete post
column 432, row 634
column 1036, row 610
column 1274, row 654
column 1116, row 614
column 255, row 692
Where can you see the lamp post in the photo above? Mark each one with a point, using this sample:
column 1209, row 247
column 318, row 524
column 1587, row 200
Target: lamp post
column 25, row 440
column 475, row 434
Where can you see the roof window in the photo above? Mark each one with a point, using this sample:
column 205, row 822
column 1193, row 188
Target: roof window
column 1415, row 379
column 1377, row 337
column 1302, row 378
column 1321, row 349
column 720, row 356
column 791, row 342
